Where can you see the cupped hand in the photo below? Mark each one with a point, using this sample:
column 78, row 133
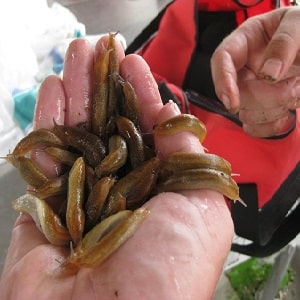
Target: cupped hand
column 178, row 251
column 256, row 71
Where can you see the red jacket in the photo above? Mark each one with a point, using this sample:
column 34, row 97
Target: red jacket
column 269, row 169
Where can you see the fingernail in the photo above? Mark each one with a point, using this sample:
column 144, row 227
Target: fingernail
column 271, row 69
column 226, row 101
column 175, row 106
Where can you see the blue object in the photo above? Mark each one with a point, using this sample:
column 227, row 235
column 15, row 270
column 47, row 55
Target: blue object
column 57, row 60
column 24, row 106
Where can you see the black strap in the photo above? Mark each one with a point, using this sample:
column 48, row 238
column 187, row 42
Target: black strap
column 287, row 231
column 246, row 219
column 275, row 224
column 211, row 104
column 212, row 27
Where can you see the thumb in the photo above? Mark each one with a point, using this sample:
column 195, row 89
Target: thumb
column 284, row 45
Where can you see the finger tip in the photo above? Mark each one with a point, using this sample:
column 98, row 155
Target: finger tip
column 46, row 111
column 169, row 110
column 134, row 69
column 130, row 63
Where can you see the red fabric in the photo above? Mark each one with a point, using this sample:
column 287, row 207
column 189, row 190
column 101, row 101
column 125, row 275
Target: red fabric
column 253, row 159
column 174, row 43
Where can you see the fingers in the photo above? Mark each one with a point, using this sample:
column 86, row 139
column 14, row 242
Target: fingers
column 152, row 111
column 77, row 81
column 267, row 44
column 265, row 108
column 233, row 54
column 65, row 101
column 50, row 104
column 102, row 43
column 134, row 69
column 283, row 48
column 258, row 116
column 257, row 95
column 50, row 108
column 267, row 129
column 71, row 99
column 224, row 74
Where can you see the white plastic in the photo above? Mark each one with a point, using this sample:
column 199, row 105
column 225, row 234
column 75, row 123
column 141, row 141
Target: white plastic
column 29, row 31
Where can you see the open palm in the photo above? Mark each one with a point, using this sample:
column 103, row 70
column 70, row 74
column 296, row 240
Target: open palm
column 179, row 249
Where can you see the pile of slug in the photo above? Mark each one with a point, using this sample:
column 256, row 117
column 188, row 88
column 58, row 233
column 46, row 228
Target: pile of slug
column 109, row 172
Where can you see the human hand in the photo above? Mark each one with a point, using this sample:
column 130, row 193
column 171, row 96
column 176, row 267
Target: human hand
column 256, row 72
column 179, row 249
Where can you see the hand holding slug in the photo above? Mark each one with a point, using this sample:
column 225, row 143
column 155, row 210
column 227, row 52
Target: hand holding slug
column 179, row 249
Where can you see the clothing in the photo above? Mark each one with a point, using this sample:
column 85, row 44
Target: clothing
column 178, row 45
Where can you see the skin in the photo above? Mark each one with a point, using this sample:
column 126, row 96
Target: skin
column 178, row 251
column 256, row 71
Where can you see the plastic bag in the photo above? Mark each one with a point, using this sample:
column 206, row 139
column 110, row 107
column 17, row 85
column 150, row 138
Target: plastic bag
column 34, row 38
column 33, row 48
